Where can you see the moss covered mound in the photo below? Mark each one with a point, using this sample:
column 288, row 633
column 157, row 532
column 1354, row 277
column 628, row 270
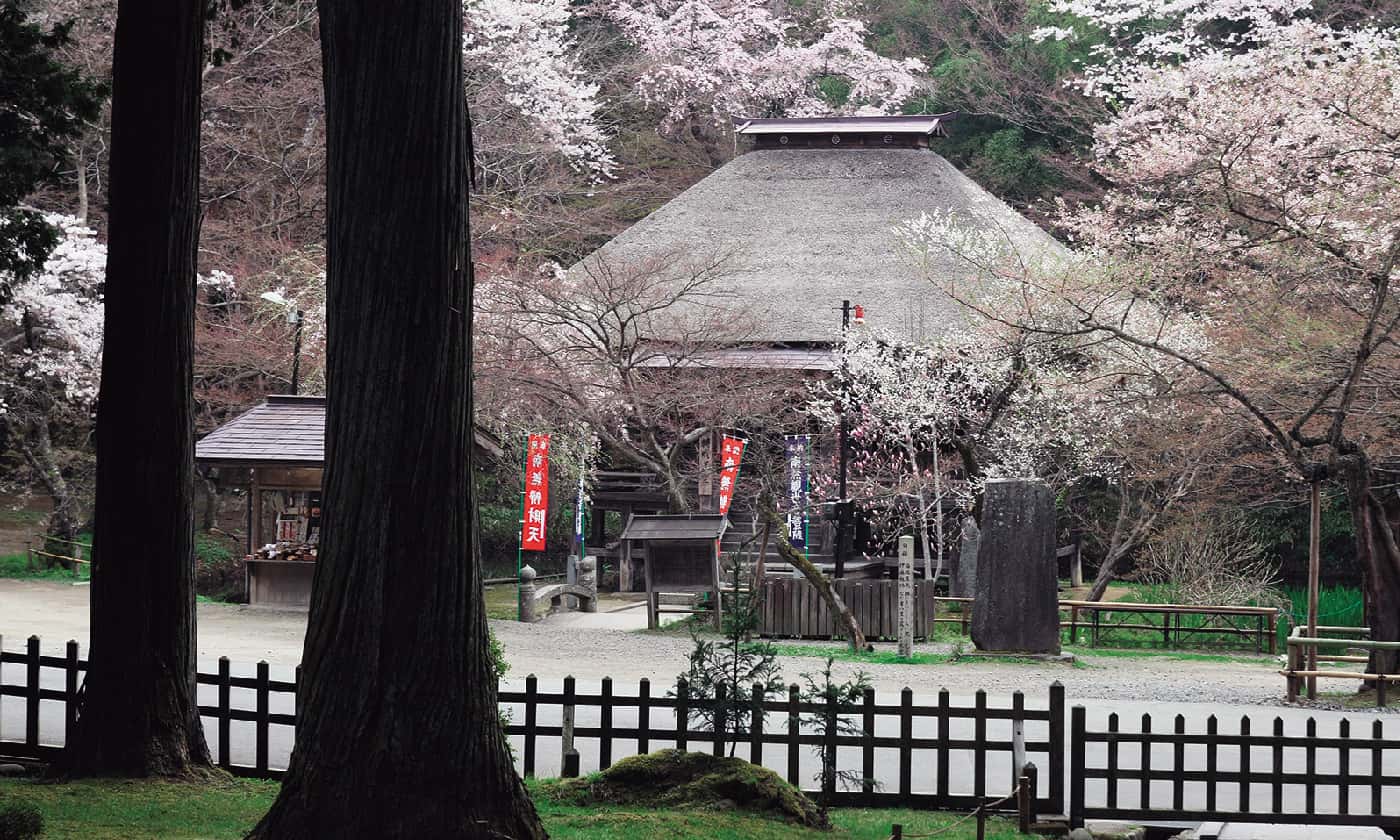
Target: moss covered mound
column 671, row 778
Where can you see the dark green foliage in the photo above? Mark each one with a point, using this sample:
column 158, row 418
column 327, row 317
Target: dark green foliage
column 21, row 822
column 840, row 702
column 43, row 105
column 219, row 571
column 724, row 676
column 671, row 778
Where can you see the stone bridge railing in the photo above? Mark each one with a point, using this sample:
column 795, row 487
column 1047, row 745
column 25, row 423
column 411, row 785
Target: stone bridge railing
column 538, row 601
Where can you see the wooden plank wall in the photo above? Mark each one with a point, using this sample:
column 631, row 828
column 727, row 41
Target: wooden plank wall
column 793, row 609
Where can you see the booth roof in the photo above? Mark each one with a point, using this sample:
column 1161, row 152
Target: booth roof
column 285, row 431
column 676, row 526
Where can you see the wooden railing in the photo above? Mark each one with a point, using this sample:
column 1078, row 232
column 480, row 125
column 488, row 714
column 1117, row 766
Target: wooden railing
column 1090, row 615
column 72, row 562
column 1298, row 675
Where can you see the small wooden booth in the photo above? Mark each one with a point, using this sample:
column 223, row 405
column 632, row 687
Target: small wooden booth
column 681, row 554
column 275, row 452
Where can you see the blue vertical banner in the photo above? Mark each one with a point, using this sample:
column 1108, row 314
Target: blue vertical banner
column 797, row 452
column 579, row 502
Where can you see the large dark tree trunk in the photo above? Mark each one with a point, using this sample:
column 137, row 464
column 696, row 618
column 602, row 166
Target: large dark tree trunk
column 138, row 714
column 1376, row 549
column 399, row 735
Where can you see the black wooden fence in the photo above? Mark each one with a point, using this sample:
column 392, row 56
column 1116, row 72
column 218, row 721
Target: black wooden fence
column 657, row 721
column 1241, row 774
column 1153, row 773
column 796, row 728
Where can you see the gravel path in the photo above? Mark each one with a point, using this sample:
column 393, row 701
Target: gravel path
column 553, row 649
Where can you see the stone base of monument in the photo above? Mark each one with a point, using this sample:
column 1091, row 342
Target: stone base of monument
column 1018, row 656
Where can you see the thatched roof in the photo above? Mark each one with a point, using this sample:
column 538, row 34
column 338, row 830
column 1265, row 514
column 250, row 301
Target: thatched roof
column 805, row 228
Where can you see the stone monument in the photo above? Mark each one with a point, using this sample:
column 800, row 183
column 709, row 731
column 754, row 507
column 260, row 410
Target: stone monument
column 1016, row 597
column 964, row 583
column 906, row 597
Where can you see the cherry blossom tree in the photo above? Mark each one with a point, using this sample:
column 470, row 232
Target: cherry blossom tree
column 708, row 61
column 1002, row 402
column 1249, row 245
column 50, row 353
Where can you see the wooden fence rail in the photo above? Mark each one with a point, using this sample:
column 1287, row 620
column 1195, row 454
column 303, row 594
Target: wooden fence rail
column 1298, row 675
column 1229, row 773
column 661, row 720
column 793, row 609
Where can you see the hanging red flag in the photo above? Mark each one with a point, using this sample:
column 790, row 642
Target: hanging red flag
column 536, row 507
column 731, row 453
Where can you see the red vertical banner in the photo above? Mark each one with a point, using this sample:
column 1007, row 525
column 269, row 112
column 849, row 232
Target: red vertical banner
column 731, row 453
column 536, row 508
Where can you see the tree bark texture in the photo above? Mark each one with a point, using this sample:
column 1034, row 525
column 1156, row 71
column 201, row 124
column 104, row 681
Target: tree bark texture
column 399, row 735
column 37, row 445
column 137, row 715
column 1375, row 527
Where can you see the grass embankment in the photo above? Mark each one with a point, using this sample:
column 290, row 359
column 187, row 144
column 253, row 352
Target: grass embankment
column 123, row 810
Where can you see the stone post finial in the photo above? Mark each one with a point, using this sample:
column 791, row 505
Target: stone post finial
column 527, row 594
column 588, row 579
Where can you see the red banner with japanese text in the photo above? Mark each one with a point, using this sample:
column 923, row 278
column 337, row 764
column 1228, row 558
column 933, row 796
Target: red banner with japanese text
column 536, row 507
column 731, row 453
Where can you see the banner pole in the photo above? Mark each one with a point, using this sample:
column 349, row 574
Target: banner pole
column 520, row 529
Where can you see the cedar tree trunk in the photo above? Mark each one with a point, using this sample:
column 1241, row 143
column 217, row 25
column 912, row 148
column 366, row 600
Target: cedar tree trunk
column 398, row 735
column 137, row 715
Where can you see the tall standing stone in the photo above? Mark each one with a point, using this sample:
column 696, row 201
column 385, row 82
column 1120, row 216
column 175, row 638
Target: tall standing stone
column 906, row 596
column 965, row 581
column 1016, row 606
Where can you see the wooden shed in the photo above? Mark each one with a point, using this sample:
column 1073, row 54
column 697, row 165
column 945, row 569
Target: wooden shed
column 681, row 556
column 275, row 452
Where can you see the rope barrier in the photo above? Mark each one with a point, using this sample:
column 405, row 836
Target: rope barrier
column 981, row 809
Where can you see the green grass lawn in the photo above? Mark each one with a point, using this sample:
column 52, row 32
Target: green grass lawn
column 501, row 602
column 17, row 566
column 123, row 810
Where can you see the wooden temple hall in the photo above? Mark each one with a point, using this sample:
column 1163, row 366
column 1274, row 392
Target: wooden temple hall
column 275, row 454
column 807, row 212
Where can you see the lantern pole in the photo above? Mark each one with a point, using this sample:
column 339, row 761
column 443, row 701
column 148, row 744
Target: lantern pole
column 843, row 517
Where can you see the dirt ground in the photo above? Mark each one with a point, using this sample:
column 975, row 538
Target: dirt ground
column 560, row 646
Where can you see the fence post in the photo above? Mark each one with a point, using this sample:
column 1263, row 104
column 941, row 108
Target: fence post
column 31, row 700
column 1023, row 802
column 567, row 733
column 682, row 713
column 867, row 759
column 1076, row 772
column 605, row 724
column 829, row 747
column 1145, row 781
column 794, row 733
column 569, row 770
column 532, row 686
column 1377, row 745
column 1032, row 777
column 756, row 720
column 1057, row 745
column 979, row 750
column 896, row 832
column 223, row 716
column 1278, row 767
column 1018, row 736
column 719, row 724
column 261, row 723
column 906, row 744
column 1292, row 680
column 942, row 753
column 644, row 716
column 70, row 691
